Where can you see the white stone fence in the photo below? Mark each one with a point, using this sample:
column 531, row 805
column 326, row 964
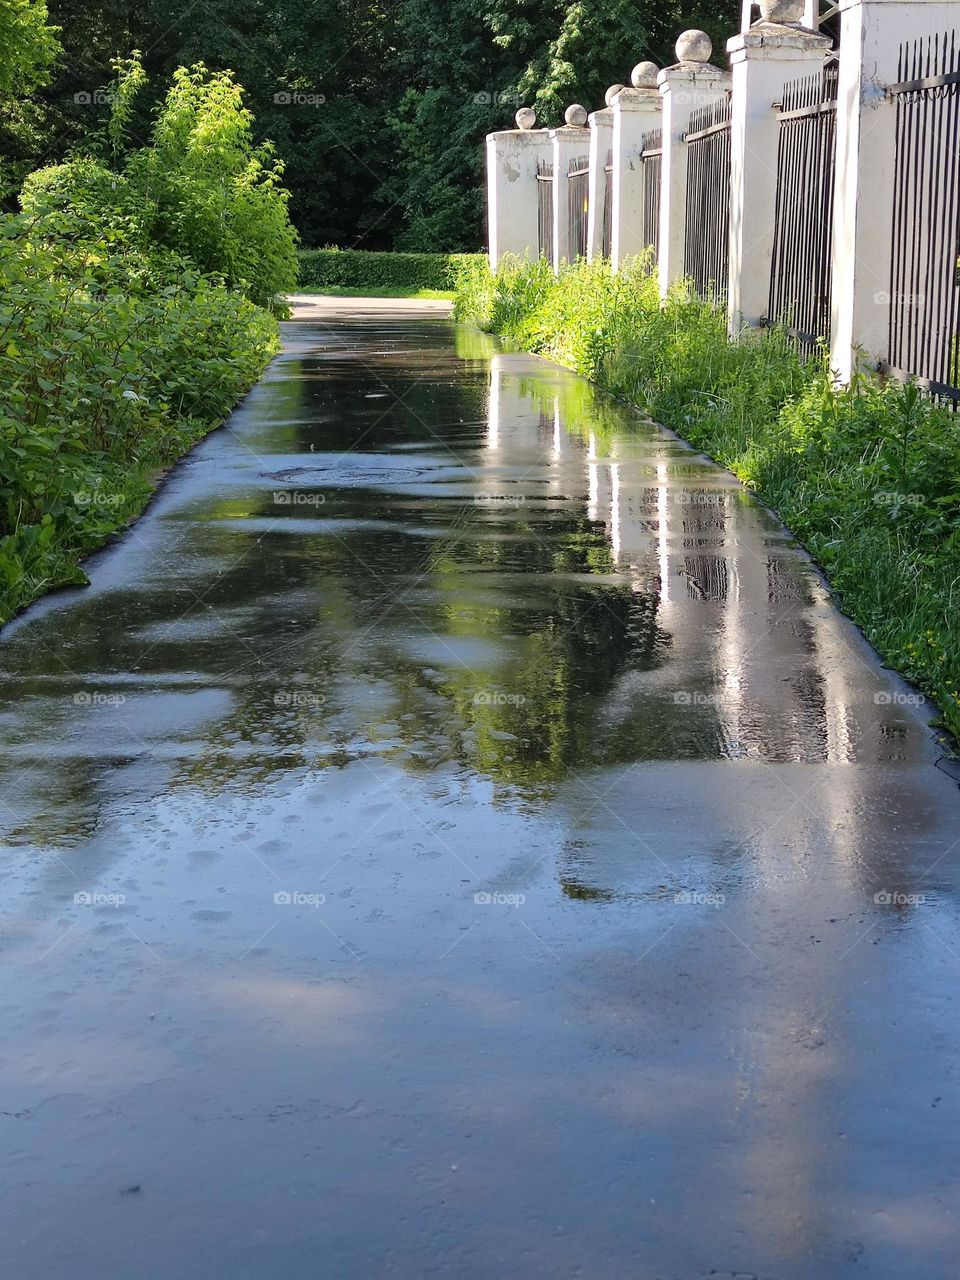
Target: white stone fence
column 810, row 187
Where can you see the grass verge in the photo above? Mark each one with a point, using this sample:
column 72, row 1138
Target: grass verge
column 867, row 476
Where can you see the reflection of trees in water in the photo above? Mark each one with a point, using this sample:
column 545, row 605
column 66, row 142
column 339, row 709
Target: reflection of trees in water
column 313, row 616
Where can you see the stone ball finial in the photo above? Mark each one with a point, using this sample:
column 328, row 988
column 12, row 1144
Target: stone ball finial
column 782, row 10
column 694, row 46
column 611, row 93
column 644, row 75
column 526, row 118
column 575, row 115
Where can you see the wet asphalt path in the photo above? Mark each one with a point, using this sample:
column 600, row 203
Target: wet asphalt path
column 456, row 836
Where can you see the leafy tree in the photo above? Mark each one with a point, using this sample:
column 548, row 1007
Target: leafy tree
column 28, row 45
column 210, row 192
column 378, row 107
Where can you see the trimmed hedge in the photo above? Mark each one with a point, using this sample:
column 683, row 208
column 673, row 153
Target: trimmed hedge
column 362, row 269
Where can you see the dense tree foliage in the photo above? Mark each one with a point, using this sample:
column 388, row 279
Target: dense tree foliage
column 377, row 107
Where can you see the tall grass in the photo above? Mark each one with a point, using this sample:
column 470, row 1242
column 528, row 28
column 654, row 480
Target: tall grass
column 866, row 476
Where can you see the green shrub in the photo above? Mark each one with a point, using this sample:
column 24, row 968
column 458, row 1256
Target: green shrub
column 212, row 195
column 200, row 188
column 867, row 476
column 113, row 361
column 360, row 269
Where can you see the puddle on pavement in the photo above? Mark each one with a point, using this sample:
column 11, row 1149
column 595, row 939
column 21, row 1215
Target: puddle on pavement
column 449, row 752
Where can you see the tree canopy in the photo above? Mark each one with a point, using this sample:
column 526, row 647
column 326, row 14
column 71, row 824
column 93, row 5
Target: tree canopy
column 377, row 107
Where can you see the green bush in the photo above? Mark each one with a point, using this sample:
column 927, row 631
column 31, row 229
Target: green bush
column 360, row 269
column 113, row 361
column 867, row 476
column 200, row 187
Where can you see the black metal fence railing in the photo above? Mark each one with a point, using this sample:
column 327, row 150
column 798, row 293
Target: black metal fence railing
column 651, row 154
column 578, row 206
column 545, row 207
column 706, row 248
column 801, row 267
column 607, row 235
column 925, row 272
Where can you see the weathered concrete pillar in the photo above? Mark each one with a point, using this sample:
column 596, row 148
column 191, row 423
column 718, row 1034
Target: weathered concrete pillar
column 690, row 83
column 764, row 59
column 569, row 143
column 512, row 201
column 601, row 141
column 635, row 111
column 870, row 35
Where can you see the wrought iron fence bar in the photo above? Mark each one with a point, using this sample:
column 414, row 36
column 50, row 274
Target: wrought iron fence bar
column 925, row 82
column 801, row 113
column 944, row 389
column 651, row 152
column 706, row 133
column 924, row 323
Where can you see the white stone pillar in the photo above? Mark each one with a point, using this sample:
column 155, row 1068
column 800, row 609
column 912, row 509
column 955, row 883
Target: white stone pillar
column 691, row 83
column 512, row 200
column 601, row 140
column 569, row 143
column 635, row 111
column 764, row 60
column 870, row 35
